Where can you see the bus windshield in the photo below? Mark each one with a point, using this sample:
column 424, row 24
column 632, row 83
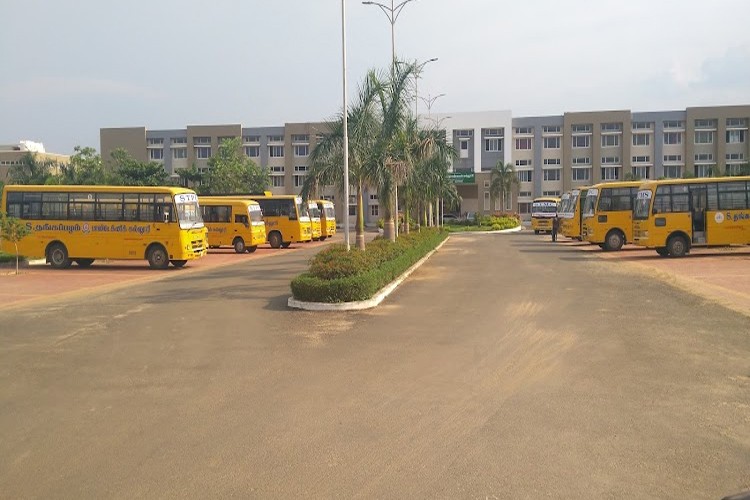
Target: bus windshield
column 543, row 208
column 256, row 215
column 302, row 210
column 329, row 212
column 314, row 210
column 588, row 205
column 188, row 212
column 642, row 205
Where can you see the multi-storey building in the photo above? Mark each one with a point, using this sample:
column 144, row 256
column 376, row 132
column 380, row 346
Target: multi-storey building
column 551, row 154
column 12, row 154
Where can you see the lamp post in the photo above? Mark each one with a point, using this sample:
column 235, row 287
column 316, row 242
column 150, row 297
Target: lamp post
column 416, row 79
column 346, row 127
column 429, row 101
column 392, row 14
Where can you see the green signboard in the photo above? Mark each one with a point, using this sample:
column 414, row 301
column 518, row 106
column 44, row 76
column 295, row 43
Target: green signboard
column 461, row 177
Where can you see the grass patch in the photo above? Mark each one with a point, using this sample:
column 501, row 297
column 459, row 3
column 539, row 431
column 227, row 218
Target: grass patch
column 336, row 275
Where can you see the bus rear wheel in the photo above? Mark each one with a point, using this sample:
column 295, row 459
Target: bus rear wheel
column 614, row 240
column 157, row 257
column 252, row 249
column 274, row 239
column 178, row 263
column 84, row 262
column 239, row 245
column 57, row 255
column 285, row 244
column 677, row 246
column 662, row 251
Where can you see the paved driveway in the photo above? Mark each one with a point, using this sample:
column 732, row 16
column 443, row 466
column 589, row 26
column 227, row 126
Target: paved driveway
column 506, row 367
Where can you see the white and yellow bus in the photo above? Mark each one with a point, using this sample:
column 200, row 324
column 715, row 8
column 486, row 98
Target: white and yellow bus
column 315, row 221
column 543, row 211
column 233, row 222
column 83, row 223
column 327, row 217
column 570, row 224
column 287, row 220
column 608, row 214
column 674, row 215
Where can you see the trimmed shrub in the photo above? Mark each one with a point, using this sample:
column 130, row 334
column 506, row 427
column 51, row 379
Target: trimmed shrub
column 339, row 276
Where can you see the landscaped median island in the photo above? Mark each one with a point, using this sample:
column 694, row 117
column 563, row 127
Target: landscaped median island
column 484, row 223
column 343, row 280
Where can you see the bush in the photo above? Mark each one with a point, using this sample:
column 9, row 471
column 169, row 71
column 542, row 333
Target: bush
column 339, row 276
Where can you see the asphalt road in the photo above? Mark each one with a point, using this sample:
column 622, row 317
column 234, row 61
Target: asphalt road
column 505, row 367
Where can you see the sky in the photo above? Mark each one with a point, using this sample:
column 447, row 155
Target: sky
column 71, row 67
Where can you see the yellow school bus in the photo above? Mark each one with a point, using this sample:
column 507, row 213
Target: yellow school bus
column 674, row 215
column 286, row 218
column 314, row 212
column 570, row 225
column 233, row 222
column 543, row 211
column 327, row 217
column 83, row 223
column 608, row 214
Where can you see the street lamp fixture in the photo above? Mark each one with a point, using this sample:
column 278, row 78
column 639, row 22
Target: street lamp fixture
column 416, row 79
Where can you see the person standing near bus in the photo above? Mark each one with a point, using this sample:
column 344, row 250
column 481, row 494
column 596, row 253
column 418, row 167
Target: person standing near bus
column 555, row 227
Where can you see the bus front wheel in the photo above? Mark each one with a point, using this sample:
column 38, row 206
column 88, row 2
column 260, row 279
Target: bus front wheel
column 239, row 245
column 274, row 239
column 614, row 240
column 178, row 263
column 677, row 246
column 57, row 255
column 252, row 248
column 84, row 262
column 157, row 257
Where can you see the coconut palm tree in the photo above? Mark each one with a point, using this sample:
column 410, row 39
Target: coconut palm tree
column 502, row 179
column 326, row 158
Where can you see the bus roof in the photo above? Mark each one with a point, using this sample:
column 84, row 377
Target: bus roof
column 97, row 189
column 694, row 180
column 205, row 200
column 616, row 184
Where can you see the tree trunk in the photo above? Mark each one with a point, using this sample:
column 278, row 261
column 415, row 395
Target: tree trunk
column 360, row 224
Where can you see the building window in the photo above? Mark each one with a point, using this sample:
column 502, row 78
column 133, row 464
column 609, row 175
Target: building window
column 250, row 138
column 582, row 161
column 524, row 194
column 579, row 129
column 276, row 151
column 611, row 160
column 551, row 129
column 705, row 124
column 299, row 180
column 494, row 145
column 642, row 159
column 301, row 150
column 735, row 157
column 156, row 154
column 672, row 171
column 524, row 130
column 300, row 138
column 552, row 142
column 704, row 157
column 374, row 210
column 523, row 143
column 551, row 193
column 581, row 141
column 524, row 208
column 252, row 151
column 179, row 140
column 672, row 137
column 552, row 174
column 486, row 184
column 609, row 141
column 275, row 138
column 611, row 127
column 641, row 139
column 156, row 142
column 581, row 174
column 523, row 163
column 672, row 158
column 301, row 169
column 524, row 175
column 203, row 152
column 179, row 153
column 642, row 125
column 641, row 172
column 486, row 200
column 704, row 170
column 465, row 133
column 736, row 136
column 670, row 124
column 464, row 152
column 277, row 181
column 610, row 173
column 552, row 161
column 201, row 140
column 704, row 137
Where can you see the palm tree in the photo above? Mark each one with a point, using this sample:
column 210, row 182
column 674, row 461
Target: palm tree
column 326, row 158
column 502, row 179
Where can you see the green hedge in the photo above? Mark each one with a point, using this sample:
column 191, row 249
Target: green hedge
column 336, row 275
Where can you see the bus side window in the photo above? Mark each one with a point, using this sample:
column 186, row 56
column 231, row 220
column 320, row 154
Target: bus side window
column 241, row 219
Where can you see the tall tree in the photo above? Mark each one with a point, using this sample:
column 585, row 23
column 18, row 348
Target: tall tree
column 130, row 172
column 327, row 157
column 502, row 179
column 32, row 170
column 85, row 167
column 232, row 172
column 190, row 177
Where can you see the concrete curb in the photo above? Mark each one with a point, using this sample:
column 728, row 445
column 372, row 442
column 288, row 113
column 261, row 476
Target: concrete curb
column 362, row 304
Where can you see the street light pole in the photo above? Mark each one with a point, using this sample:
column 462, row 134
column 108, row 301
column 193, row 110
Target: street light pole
column 392, row 14
column 346, row 127
column 416, row 79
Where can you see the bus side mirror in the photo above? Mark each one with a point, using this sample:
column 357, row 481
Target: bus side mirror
column 166, row 218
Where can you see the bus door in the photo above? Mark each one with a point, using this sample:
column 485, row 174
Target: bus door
column 698, row 204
